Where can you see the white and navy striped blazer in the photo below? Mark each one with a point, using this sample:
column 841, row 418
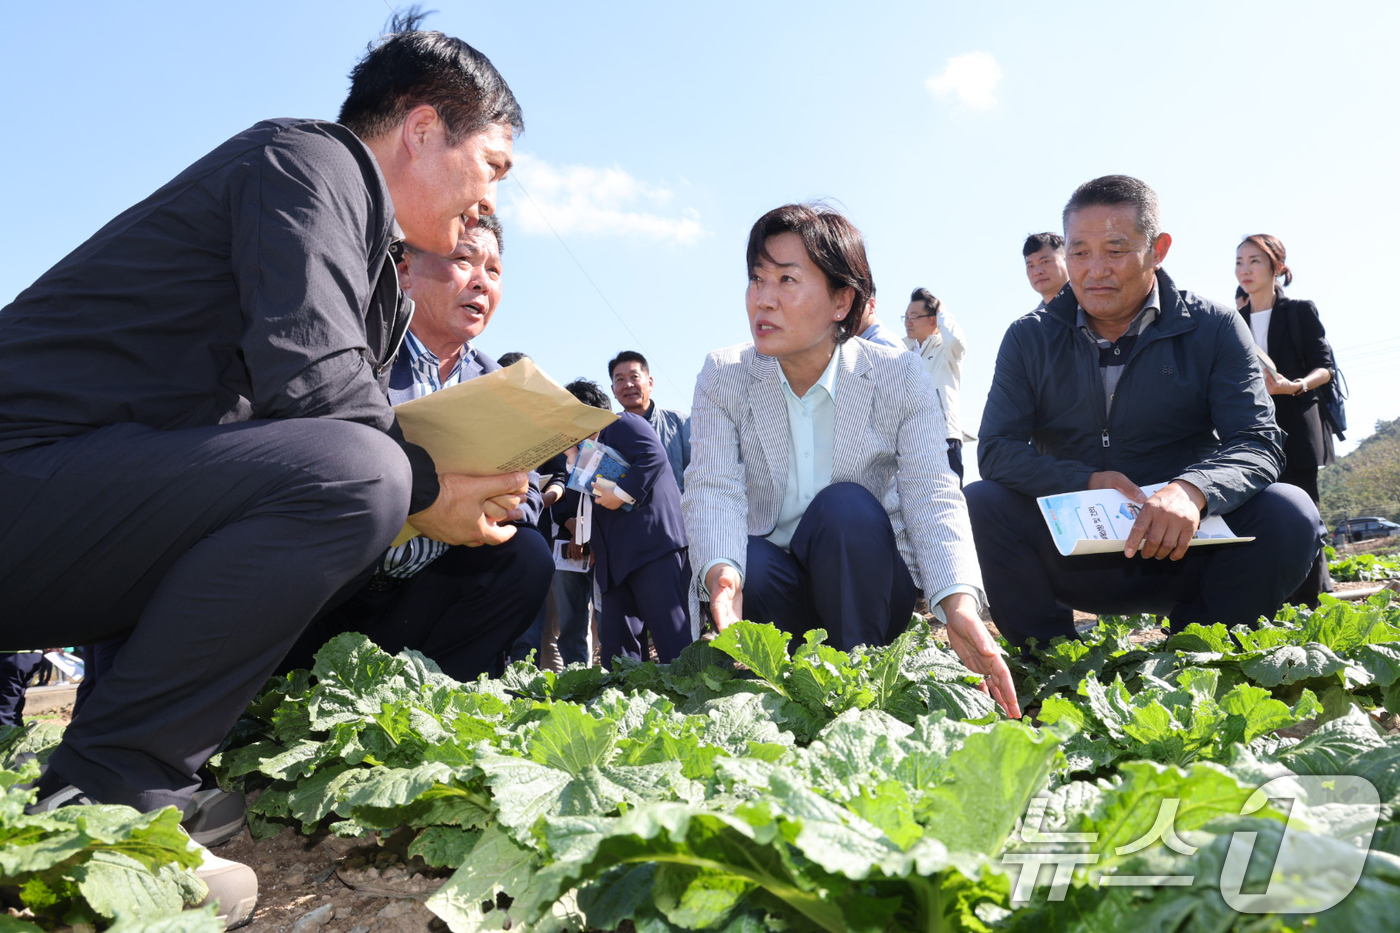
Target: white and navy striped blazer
column 890, row 438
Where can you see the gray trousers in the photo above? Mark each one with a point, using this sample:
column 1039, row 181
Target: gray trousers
column 208, row 549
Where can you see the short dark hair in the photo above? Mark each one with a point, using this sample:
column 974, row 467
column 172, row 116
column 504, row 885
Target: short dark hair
column 408, row 67
column 833, row 244
column 1117, row 190
column 1039, row 241
column 511, row 358
column 930, row 302
column 1272, row 247
column 492, row 223
column 628, row 356
column 589, row 393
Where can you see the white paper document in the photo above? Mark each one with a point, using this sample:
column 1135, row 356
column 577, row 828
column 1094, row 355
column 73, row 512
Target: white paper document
column 1097, row 521
column 562, row 561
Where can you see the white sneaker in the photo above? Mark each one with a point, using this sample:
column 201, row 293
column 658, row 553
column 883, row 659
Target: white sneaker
column 233, row 885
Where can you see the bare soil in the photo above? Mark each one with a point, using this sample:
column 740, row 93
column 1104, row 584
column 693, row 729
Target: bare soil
column 365, row 883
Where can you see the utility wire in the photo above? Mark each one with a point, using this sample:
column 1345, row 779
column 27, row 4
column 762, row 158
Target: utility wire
column 636, row 340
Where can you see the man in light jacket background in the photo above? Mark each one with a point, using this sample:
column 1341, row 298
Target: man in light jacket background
column 935, row 336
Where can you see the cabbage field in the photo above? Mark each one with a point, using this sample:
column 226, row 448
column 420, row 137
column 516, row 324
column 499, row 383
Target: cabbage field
column 1217, row 779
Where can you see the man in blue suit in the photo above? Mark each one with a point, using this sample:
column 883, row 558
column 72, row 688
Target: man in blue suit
column 462, row 606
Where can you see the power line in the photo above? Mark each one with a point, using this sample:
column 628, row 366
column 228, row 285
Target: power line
column 637, row 340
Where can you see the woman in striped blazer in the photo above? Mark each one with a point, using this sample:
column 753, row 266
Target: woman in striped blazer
column 819, row 493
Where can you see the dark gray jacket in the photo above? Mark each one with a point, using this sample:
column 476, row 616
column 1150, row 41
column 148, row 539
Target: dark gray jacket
column 256, row 284
column 1190, row 405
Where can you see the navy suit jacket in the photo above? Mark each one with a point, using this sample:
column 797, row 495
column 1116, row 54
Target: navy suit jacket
column 623, row 541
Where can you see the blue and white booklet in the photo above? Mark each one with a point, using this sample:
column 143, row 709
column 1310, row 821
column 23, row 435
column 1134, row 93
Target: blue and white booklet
column 1097, row 521
column 600, row 464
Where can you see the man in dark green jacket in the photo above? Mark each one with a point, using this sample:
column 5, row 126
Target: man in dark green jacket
column 1124, row 381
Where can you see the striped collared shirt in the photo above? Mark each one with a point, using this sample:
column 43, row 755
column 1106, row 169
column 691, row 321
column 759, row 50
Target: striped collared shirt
column 1113, row 354
column 415, row 554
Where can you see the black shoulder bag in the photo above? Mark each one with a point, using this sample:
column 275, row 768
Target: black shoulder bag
column 1332, row 394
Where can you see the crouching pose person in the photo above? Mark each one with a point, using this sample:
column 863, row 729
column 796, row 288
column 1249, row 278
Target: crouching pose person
column 819, row 492
column 196, row 449
column 1122, row 381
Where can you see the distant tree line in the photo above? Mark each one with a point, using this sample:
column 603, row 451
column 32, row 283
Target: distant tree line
column 1365, row 481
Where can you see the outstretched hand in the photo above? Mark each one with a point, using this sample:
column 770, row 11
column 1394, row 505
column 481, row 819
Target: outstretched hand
column 726, row 595
column 977, row 650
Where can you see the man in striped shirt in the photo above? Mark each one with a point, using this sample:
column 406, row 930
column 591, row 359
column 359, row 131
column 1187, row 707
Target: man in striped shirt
column 462, row 606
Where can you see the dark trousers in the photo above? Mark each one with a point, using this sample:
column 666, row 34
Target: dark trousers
column 570, row 596
column 843, row 573
column 566, row 607
column 653, row 598
column 97, row 660
column 955, row 457
column 464, row 610
column 15, row 671
column 1031, row 587
column 532, row 639
column 1318, row 580
column 209, row 549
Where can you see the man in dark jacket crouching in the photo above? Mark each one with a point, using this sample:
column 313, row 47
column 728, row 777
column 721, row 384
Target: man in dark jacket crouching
column 196, row 449
column 1123, row 381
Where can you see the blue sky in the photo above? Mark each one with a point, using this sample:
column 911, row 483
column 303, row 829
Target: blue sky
column 657, row 133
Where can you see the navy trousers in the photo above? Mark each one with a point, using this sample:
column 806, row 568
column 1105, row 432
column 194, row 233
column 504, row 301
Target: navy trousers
column 1318, row 579
column 843, row 573
column 955, row 457
column 97, row 660
column 653, row 598
column 565, row 612
column 464, row 610
column 15, row 671
column 209, row 549
column 1032, row 588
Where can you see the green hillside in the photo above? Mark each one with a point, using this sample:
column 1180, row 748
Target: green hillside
column 1365, row 481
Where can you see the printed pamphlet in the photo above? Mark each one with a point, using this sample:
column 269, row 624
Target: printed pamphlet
column 1097, row 521
column 600, row 464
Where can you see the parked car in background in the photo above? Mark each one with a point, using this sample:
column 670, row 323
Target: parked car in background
column 1362, row 529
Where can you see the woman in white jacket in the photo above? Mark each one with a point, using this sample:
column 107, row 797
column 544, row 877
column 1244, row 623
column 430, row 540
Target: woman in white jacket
column 818, row 494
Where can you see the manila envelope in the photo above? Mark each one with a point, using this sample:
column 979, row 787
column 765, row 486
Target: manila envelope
column 513, row 419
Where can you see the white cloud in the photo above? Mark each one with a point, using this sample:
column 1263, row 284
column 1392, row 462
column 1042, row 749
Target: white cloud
column 971, row 78
column 586, row 201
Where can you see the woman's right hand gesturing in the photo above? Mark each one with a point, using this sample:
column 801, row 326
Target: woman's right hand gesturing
column 726, row 595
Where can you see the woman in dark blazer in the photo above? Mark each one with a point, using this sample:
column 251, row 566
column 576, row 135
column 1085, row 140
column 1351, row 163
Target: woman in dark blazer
column 1290, row 332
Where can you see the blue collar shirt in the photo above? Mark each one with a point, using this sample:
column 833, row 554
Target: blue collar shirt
column 811, row 430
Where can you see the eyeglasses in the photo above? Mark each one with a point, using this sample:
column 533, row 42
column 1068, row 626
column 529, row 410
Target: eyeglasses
column 915, row 317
